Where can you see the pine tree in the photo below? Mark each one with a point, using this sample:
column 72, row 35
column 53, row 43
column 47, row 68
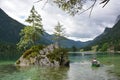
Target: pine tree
column 30, row 34
column 36, row 21
column 59, row 33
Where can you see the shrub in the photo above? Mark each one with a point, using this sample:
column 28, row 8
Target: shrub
column 58, row 54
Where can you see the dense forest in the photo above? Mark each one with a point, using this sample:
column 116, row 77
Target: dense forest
column 8, row 51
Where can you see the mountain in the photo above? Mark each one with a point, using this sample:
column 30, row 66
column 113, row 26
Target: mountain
column 10, row 28
column 65, row 42
column 109, row 39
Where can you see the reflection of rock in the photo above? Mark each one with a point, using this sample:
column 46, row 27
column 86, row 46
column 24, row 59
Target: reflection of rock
column 53, row 73
column 49, row 56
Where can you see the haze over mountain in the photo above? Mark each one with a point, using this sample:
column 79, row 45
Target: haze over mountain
column 10, row 28
column 109, row 38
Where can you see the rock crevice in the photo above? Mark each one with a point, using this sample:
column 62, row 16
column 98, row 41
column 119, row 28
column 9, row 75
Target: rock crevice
column 51, row 55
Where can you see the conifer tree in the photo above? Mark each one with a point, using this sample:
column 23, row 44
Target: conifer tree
column 59, row 33
column 30, row 34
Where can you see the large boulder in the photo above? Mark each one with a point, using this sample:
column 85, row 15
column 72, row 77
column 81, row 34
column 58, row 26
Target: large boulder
column 51, row 55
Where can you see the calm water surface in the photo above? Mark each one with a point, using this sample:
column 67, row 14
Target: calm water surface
column 80, row 69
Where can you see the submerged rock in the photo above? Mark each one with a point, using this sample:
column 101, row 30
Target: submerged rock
column 51, row 55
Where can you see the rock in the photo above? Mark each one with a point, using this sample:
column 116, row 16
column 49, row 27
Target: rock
column 41, row 52
column 52, row 56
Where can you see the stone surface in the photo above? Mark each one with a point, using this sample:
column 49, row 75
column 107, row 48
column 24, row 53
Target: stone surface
column 42, row 59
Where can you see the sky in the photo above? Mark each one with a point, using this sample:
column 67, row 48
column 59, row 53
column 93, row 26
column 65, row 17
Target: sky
column 79, row 27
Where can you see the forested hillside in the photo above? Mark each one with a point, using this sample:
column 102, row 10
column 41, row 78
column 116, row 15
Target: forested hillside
column 109, row 40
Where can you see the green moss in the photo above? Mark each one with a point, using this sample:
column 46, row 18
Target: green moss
column 26, row 53
column 37, row 48
column 32, row 52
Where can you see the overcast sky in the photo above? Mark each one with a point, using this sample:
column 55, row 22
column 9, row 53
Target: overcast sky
column 79, row 27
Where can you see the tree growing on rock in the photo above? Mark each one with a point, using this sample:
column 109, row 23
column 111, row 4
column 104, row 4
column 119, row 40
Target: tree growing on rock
column 59, row 33
column 30, row 34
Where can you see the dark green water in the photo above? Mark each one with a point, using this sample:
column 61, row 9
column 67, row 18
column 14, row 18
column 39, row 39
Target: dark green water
column 80, row 69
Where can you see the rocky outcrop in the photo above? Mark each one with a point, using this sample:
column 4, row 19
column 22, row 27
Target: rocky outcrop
column 51, row 55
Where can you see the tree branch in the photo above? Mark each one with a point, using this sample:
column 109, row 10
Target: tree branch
column 45, row 4
column 105, row 1
column 37, row 1
column 91, row 7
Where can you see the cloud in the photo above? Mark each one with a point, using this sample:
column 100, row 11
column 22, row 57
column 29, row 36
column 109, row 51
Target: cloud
column 79, row 27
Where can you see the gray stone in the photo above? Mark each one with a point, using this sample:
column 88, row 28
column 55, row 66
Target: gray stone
column 41, row 59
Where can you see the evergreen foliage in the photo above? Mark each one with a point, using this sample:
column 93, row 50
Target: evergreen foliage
column 74, row 48
column 30, row 34
column 58, row 55
column 8, row 51
column 59, row 33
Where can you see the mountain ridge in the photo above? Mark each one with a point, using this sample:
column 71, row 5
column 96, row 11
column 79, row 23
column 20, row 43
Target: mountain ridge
column 5, row 22
column 10, row 29
column 109, row 39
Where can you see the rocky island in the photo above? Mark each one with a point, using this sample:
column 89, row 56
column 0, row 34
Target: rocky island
column 51, row 55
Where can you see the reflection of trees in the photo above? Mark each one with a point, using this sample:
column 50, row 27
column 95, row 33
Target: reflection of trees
column 7, row 69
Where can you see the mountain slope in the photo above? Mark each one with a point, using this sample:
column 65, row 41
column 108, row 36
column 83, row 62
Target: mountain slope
column 65, row 42
column 10, row 28
column 110, row 34
column 110, row 38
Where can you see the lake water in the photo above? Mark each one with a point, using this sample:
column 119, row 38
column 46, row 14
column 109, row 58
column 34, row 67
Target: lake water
column 80, row 69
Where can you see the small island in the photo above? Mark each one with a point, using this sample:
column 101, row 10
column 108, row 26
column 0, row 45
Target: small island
column 35, row 53
column 51, row 55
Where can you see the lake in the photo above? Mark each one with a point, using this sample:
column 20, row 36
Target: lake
column 80, row 69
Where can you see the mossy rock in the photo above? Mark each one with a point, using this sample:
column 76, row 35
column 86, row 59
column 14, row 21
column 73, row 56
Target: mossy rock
column 33, row 51
column 26, row 53
column 55, row 57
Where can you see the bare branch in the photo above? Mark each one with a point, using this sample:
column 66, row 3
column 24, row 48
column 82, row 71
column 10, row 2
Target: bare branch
column 45, row 4
column 91, row 7
column 37, row 1
column 105, row 1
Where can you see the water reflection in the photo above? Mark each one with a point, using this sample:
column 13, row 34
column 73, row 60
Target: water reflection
column 34, row 73
column 84, row 71
column 48, row 73
column 6, row 70
column 80, row 69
